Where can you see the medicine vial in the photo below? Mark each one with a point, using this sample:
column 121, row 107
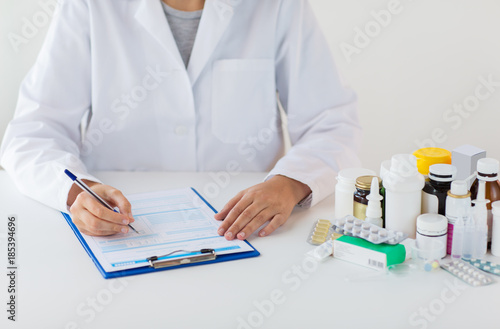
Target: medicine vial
column 345, row 188
column 430, row 228
column 436, row 188
column 360, row 200
column 458, row 203
column 487, row 171
column 495, row 236
column 403, row 194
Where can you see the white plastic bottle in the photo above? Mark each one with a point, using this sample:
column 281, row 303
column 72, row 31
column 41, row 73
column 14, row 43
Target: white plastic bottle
column 344, row 190
column 458, row 203
column 403, row 194
column 374, row 209
column 495, row 237
column 480, row 219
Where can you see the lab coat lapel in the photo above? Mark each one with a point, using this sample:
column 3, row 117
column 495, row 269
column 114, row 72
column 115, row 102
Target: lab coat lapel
column 217, row 15
column 152, row 17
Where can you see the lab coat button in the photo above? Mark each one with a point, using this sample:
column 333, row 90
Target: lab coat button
column 181, row 130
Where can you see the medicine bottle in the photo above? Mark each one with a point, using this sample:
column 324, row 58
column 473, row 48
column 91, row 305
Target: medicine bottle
column 403, row 194
column 487, row 171
column 428, row 156
column 458, row 203
column 430, row 228
column 345, row 188
column 360, row 200
column 436, row 188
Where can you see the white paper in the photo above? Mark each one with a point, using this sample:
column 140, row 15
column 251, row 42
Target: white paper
column 167, row 221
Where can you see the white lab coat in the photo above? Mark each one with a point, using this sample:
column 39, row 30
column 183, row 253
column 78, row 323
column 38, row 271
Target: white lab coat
column 109, row 91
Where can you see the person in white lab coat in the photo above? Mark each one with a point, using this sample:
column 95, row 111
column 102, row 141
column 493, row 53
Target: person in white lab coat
column 110, row 91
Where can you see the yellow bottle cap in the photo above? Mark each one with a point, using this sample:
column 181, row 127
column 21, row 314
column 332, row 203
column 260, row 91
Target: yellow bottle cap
column 428, row 156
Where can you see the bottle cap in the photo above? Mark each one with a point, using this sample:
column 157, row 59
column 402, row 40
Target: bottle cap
column 365, row 182
column 432, row 224
column 404, row 164
column 495, row 208
column 442, row 172
column 429, row 156
column 459, row 187
column 487, row 166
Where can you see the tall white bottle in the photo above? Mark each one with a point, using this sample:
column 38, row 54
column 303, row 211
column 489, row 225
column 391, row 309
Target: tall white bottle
column 403, row 194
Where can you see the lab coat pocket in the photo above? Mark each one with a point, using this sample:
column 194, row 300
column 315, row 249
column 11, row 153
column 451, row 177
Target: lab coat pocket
column 243, row 98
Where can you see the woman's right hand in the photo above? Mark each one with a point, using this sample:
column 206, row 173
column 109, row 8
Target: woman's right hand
column 92, row 218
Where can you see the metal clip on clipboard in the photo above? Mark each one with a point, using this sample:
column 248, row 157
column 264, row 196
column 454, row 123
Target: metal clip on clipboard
column 205, row 255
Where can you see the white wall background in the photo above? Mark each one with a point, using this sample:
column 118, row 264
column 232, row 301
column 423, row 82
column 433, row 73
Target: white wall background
column 414, row 70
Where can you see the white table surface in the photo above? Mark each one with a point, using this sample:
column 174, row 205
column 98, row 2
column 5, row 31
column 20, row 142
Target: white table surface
column 59, row 286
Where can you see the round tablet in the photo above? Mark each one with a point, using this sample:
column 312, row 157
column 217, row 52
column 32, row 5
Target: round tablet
column 461, row 265
column 486, row 267
column 348, row 226
column 374, row 229
column 358, row 222
column 383, row 233
column 350, row 220
column 427, row 267
column 365, row 234
column 373, row 237
column 357, row 230
column 366, row 226
column 341, row 221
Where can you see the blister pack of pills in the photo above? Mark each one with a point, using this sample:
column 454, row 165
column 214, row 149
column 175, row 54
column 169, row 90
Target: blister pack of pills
column 467, row 273
column 352, row 226
column 320, row 232
column 484, row 265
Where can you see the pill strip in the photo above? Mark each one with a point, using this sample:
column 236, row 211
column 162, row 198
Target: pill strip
column 485, row 266
column 320, row 232
column 352, row 226
column 467, row 273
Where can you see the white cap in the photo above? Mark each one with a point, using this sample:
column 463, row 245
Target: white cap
column 442, row 172
column 459, row 187
column 487, row 166
column 495, row 208
column 349, row 175
column 404, row 165
column 374, row 209
column 432, row 224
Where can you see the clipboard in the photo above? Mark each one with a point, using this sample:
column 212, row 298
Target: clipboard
column 162, row 262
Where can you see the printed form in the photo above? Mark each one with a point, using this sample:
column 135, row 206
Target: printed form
column 166, row 221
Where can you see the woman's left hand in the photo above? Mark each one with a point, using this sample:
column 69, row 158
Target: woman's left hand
column 272, row 200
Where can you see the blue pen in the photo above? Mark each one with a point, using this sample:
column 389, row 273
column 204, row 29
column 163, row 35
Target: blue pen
column 87, row 189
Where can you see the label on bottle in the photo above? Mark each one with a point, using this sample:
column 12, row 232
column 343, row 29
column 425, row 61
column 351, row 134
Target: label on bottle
column 430, row 203
column 449, row 237
column 359, row 210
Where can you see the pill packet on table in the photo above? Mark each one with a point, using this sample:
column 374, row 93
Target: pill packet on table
column 323, row 251
column 352, row 226
column 321, row 231
column 485, row 266
column 467, row 273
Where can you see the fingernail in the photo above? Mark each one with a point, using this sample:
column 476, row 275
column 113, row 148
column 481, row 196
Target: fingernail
column 125, row 221
column 221, row 231
column 229, row 235
column 131, row 217
column 124, row 230
column 262, row 233
column 241, row 235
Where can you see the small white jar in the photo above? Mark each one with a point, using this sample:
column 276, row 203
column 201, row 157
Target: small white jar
column 430, row 228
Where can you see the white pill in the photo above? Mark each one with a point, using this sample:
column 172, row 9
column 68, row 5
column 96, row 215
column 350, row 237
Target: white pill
column 461, row 265
column 383, row 233
column 348, row 226
column 358, row 222
column 357, row 230
column 373, row 237
column 365, row 234
column 374, row 229
column 366, row 226
column 350, row 220
column 341, row 221
column 486, row 267
column 483, row 262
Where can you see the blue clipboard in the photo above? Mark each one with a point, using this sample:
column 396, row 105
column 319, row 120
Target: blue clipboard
column 148, row 269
